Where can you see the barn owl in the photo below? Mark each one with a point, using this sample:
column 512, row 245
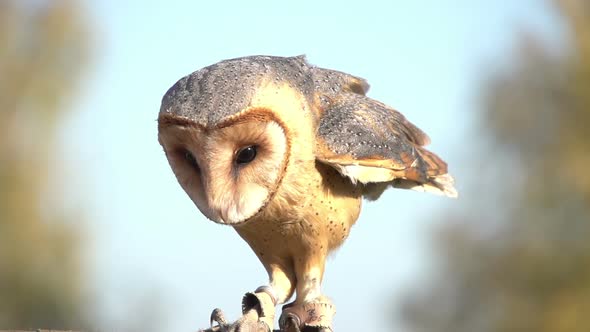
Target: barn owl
column 284, row 152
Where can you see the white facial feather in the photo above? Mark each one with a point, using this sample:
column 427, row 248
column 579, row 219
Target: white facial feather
column 224, row 191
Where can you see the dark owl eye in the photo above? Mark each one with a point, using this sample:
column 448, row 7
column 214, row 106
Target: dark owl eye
column 246, row 155
column 191, row 160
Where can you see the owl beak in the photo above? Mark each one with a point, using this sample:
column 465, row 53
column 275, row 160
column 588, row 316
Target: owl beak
column 219, row 215
column 222, row 206
column 223, row 216
column 230, row 216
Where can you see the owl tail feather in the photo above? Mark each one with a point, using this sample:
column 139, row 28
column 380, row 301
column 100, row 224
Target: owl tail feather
column 439, row 185
column 428, row 173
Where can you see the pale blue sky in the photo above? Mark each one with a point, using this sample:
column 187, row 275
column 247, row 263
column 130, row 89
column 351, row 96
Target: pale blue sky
column 153, row 253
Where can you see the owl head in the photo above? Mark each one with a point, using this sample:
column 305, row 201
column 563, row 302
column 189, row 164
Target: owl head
column 224, row 132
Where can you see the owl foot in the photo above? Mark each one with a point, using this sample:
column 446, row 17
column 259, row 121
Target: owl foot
column 258, row 315
column 261, row 305
column 218, row 317
column 308, row 317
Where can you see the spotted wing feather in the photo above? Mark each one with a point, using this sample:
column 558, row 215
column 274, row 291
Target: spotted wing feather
column 373, row 144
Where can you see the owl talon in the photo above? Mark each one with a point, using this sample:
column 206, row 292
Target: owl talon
column 218, row 317
column 258, row 314
column 249, row 322
column 289, row 323
column 260, row 305
column 309, row 317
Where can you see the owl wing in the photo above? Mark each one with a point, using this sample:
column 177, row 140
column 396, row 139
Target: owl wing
column 373, row 144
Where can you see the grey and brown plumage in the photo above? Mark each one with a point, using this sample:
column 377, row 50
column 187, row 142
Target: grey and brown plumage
column 284, row 152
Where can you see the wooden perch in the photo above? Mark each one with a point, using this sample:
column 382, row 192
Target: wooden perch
column 228, row 329
column 251, row 321
column 39, row 330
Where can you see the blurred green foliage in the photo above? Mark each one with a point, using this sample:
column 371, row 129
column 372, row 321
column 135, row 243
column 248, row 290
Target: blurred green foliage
column 516, row 256
column 43, row 48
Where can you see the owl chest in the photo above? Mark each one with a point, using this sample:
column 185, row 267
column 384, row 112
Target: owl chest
column 334, row 207
column 318, row 217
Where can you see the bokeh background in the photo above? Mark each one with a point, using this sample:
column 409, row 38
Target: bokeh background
column 95, row 233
